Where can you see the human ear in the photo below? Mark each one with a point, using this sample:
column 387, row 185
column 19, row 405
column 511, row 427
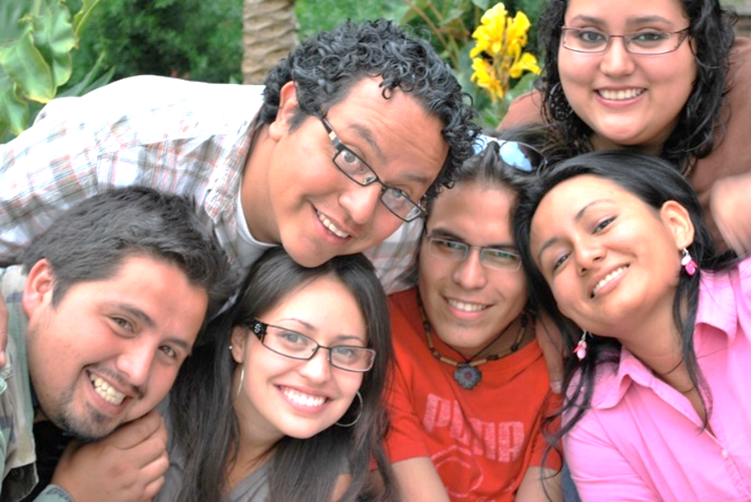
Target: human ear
column 678, row 220
column 286, row 111
column 38, row 288
column 238, row 339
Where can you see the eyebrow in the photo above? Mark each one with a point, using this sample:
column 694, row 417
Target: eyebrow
column 365, row 134
column 629, row 21
column 447, row 234
column 577, row 218
column 149, row 323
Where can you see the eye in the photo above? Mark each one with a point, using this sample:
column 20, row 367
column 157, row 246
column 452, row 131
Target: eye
column 169, row 351
column 292, row 338
column 124, row 324
column 649, row 37
column 591, row 37
column 501, row 255
column 603, row 224
column 560, row 261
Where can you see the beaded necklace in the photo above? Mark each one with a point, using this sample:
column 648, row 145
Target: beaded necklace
column 467, row 374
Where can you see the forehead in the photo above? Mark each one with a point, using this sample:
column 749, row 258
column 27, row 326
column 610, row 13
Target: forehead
column 319, row 297
column 475, row 210
column 620, row 12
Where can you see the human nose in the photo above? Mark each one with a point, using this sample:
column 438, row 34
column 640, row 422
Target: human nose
column 317, row 369
column 616, row 60
column 470, row 273
column 361, row 202
column 588, row 255
column 135, row 363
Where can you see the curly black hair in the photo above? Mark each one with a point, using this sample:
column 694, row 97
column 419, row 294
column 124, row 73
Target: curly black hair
column 711, row 32
column 325, row 67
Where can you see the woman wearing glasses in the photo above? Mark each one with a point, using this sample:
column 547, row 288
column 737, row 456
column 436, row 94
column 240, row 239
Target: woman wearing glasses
column 657, row 401
column 664, row 77
column 470, row 389
column 286, row 404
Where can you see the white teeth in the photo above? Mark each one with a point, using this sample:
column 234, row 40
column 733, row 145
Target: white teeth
column 612, row 275
column 466, row 307
column 106, row 391
column 327, row 223
column 303, row 399
column 620, row 95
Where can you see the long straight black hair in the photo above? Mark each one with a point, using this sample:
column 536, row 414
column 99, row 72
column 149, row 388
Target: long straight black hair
column 655, row 182
column 203, row 422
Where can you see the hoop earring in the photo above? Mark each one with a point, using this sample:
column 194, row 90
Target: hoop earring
column 581, row 347
column 242, row 379
column 359, row 396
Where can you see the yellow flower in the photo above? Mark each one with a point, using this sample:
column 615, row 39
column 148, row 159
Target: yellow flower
column 527, row 62
column 489, row 34
column 484, row 76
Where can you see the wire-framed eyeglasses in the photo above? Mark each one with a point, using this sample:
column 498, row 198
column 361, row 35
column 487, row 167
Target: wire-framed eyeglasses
column 490, row 257
column 290, row 343
column 645, row 42
column 353, row 167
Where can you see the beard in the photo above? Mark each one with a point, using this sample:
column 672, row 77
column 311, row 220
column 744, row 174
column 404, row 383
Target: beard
column 88, row 425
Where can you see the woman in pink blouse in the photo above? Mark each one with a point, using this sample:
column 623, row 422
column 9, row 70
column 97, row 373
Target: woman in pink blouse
column 657, row 405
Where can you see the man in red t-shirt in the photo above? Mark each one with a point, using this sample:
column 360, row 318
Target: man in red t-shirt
column 470, row 390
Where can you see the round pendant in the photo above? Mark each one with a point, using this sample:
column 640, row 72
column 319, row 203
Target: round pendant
column 467, row 376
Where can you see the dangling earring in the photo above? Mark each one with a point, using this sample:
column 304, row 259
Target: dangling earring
column 688, row 263
column 242, row 379
column 359, row 414
column 581, row 347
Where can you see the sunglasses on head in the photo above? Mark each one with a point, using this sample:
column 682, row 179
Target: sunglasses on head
column 518, row 155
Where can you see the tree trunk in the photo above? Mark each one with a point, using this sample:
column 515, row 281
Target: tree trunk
column 269, row 34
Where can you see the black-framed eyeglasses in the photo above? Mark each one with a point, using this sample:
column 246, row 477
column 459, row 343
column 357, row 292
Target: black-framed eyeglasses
column 353, row 167
column 645, row 42
column 453, row 250
column 290, row 343
column 520, row 156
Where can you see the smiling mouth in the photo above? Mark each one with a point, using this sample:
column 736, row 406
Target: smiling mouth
column 303, row 399
column 330, row 226
column 466, row 306
column 612, row 275
column 621, row 95
column 106, row 391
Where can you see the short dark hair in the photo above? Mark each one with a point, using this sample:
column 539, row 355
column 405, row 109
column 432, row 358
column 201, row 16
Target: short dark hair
column 711, row 29
column 324, row 69
column 90, row 241
column 301, row 469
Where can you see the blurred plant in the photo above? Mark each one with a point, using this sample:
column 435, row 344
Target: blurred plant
column 38, row 37
column 498, row 55
column 452, row 23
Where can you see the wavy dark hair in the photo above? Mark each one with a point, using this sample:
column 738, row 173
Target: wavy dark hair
column 654, row 181
column 711, row 35
column 205, row 427
column 324, row 69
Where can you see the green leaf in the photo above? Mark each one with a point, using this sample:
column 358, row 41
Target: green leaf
column 25, row 65
column 82, row 16
column 481, row 4
column 452, row 15
column 14, row 112
column 55, row 38
column 10, row 14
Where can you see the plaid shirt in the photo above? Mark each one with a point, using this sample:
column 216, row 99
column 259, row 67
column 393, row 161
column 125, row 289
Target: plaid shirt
column 17, row 447
column 187, row 138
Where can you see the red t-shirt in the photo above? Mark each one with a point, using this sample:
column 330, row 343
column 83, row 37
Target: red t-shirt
column 481, row 441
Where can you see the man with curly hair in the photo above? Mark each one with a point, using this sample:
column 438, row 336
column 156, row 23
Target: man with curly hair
column 330, row 157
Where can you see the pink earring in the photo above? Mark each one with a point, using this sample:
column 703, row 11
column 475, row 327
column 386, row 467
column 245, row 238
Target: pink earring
column 581, row 347
column 688, row 263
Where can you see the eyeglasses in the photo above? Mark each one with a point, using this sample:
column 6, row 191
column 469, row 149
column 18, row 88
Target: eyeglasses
column 494, row 258
column 646, row 43
column 518, row 155
column 289, row 343
column 397, row 201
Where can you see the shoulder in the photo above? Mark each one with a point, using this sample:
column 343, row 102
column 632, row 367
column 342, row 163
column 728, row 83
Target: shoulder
column 524, row 110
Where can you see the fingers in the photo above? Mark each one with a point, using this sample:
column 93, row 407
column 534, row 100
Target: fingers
column 135, row 432
column 152, row 475
column 551, row 343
